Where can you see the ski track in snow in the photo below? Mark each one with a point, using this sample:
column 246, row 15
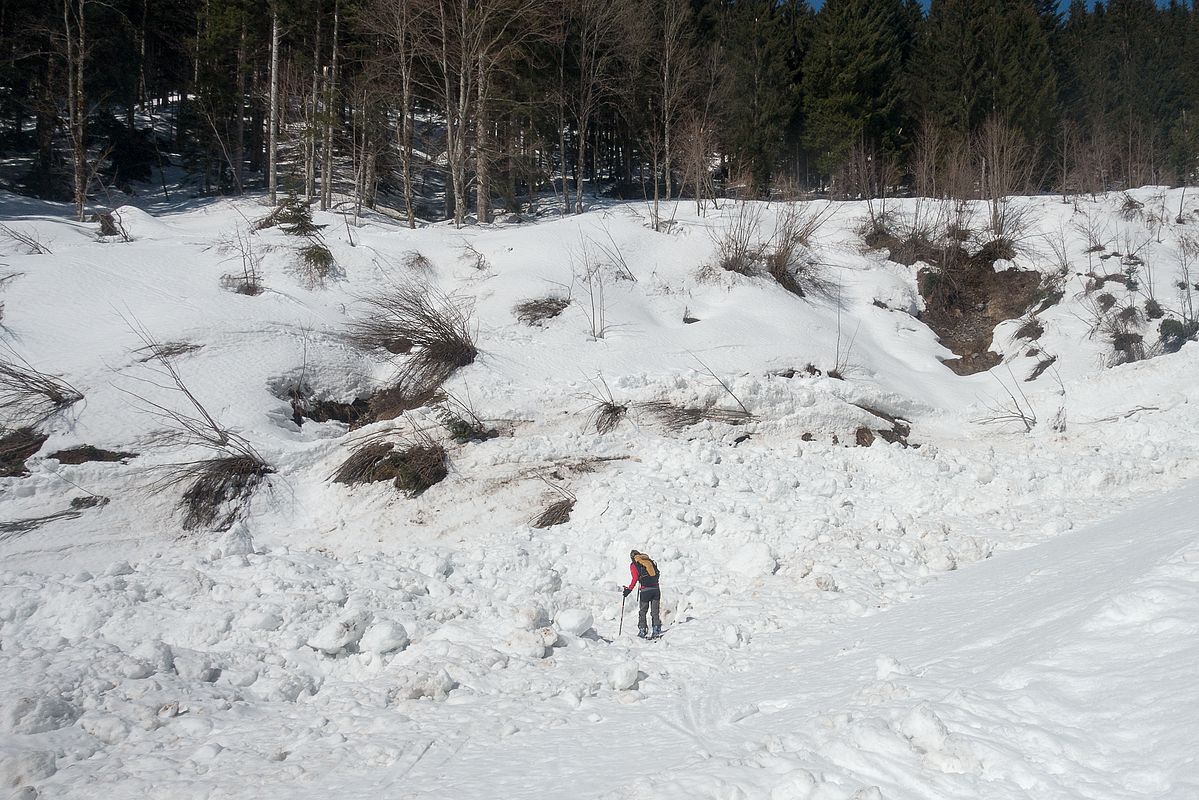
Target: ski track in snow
column 993, row 614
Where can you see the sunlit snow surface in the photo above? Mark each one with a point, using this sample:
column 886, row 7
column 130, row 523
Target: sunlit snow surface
column 994, row 614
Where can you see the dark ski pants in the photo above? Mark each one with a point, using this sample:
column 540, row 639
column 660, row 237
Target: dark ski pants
column 650, row 598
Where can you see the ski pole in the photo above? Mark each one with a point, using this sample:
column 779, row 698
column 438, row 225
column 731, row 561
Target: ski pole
column 620, row 627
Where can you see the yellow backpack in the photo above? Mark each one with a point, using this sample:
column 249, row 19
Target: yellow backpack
column 647, row 563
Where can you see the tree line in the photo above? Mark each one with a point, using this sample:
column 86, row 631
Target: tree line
column 447, row 108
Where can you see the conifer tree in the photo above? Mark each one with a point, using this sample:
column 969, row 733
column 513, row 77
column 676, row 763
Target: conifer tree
column 852, row 78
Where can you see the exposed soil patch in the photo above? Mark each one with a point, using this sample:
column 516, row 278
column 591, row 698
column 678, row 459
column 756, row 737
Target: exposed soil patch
column 329, row 410
column 16, row 447
column 86, row 452
column 898, row 431
column 965, row 298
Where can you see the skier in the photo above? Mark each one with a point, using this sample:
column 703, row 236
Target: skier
column 644, row 571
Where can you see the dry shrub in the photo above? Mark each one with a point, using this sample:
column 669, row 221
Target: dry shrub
column 27, row 240
column 411, row 392
column 1031, row 329
column 791, row 262
column 218, row 488
column 247, row 284
column 1130, row 208
column 1126, row 341
column 29, row 397
column 462, row 422
column 537, row 311
column 16, row 447
column 677, row 417
column 412, row 469
column 433, row 326
column 556, row 513
column 603, row 413
column 472, row 256
column 166, row 350
column 13, row 529
column 417, row 262
column 738, row 247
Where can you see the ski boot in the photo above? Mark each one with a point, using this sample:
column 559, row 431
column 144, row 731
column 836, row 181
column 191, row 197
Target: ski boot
column 657, row 632
column 642, row 633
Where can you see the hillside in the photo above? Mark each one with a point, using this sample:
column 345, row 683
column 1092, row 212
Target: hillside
column 817, row 485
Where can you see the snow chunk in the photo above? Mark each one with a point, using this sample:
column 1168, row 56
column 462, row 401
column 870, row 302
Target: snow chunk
column 108, row 728
column 624, row 676
column 924, row 728
column 886, row 666
column 36, row 714
column 261, row 620
column 530, row 617
column 20, row 767
column 574, row 621
column 753, row 559
column 118, row 568
column 340, row 634
column 529, row 644
column 384, row 636
column 798, row 785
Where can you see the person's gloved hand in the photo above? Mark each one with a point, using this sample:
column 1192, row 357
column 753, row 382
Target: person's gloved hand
column 626, row 590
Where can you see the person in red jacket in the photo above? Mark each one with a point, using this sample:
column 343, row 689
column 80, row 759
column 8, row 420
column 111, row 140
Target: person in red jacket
column 643, row 570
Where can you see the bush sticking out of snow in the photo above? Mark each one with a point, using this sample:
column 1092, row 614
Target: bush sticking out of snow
column 217, row 489
column 413, row 469
column 29, row 397
column 676, row 417
column 436, row 329
column 541, row 309
column 556, row 513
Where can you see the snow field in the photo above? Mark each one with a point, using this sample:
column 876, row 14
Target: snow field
column 352, row 639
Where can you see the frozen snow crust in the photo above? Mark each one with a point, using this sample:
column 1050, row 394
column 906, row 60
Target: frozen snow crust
column 357, row 641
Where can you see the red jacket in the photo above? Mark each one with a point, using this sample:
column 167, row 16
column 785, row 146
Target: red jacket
column 635, row 575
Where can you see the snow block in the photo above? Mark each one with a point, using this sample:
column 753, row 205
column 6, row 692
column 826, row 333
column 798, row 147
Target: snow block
column 384, row 636
column 574, row 621
column 21, row 767
column 624, row 676
column 753, row 560
column 344, row 632
column 36, row 714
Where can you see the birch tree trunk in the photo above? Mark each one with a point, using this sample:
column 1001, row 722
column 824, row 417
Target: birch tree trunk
column 313, row 114
column 330, row 117
column 273, row 135
column 76, row 40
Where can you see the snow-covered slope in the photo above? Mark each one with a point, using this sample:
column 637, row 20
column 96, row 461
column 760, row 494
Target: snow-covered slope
column 359, row 640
